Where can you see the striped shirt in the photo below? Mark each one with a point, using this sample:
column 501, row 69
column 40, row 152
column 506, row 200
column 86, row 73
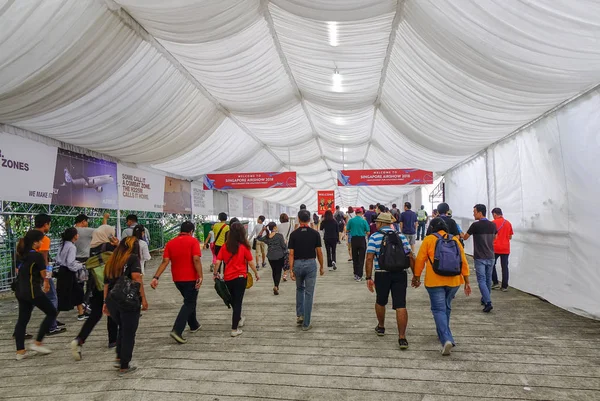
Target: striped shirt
column 375, row 245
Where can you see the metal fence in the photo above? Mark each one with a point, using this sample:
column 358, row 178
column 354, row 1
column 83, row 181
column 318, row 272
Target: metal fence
column 16, row 218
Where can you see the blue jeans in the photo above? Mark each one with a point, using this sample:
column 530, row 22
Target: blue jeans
column 306, row 278
column 51, row 295
column 441, row 306
column 484, row 268
column 421, row 231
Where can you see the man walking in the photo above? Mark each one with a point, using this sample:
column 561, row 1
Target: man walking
column 484, row 233
column 422, row 221
column 385, row 282
column 369, row 214
column 501, row 248
column 340, row 219
column 396, row 215
column 132, row 221
column 183, row 252
column 442, row 212
column 358, row 228
column 408, row 223
column 304, row 246
column 260, row 247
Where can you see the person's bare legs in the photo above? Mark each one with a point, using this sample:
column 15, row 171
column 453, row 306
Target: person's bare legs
column 380, row 311
column 402, row 319
column 80, row 309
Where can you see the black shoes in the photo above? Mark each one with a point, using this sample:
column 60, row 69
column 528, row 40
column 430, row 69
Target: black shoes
column 403, row 343
column 488, row 308
column 380, row 330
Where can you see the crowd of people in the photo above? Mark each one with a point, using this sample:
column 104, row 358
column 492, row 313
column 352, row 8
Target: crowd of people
column 98, row 274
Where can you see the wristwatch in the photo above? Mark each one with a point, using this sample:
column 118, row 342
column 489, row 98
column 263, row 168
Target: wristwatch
column 368, row 278
column 156, row 277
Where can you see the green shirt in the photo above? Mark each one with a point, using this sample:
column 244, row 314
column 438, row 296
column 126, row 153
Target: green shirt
column 357, row 227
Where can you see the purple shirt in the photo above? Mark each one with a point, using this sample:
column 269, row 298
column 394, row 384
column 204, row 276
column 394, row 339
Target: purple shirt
column 408, row 219
column 369, row 215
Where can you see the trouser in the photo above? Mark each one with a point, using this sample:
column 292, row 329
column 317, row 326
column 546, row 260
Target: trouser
column 53, row 297
column 25, row 309
column 306, row 278
column 187, row 313
column 330, row 245
column 96, row 303
column 217, row 250
column 441, row 307
column 276, row 269
column 483, row 268
column 237, row 288
column 359, row 248
column 88, row 289
column 421, row 231
column 504, row 263
column 127, row 322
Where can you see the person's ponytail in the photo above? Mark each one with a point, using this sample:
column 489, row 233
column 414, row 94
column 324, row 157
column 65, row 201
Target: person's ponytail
column 26, row 243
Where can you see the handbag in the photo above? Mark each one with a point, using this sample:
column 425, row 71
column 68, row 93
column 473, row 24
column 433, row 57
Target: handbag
column 254, row 244
column 125, row 293
column 223, row 291
column 95, row 266
column 249, row 281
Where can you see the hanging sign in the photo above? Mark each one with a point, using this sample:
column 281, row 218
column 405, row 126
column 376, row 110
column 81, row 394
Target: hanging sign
column 248, row 207
column 285, row 179
column 325, row 201
column 178, row 196
column 384, row 177
column 140, row 190
column 202, row 201
column 236, row 205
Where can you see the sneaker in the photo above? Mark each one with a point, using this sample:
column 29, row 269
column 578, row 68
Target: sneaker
column 40, row 349
column 504, row 289
column 125, row 372
column 264, row 264
column 359, row 279
column 447, row 348
column 380, row 330
column 117, row 364
column 334, row 266
column 496, row 287
column 178, row 338
column 349, row 260
column 112, row 345
column 242, row 321
column 488, row 308
column 60, row 324
column 403, row 343
column 76, row 350
column 82, row 317
column 196, row 329
column 20, row 357
column 275, row 291
column 284, row 278
column 330, row 269
column 306, row 328
column 57, row 330
column 235, row 333
column 299, row 320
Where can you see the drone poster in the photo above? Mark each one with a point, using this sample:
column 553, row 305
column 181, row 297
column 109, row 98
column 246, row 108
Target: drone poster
column 84, row 181
column 178, row 196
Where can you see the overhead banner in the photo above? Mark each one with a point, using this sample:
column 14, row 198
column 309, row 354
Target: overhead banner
column 26, row 170
column 202, row 201
column 325, row 201
column 285, row 179
column 178, row 196
column 84, row 181
column 236, row 205
column 248, row 207
column 140, row 190
column 384, row 177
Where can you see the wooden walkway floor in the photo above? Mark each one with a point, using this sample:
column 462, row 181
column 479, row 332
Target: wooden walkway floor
column 525, row 349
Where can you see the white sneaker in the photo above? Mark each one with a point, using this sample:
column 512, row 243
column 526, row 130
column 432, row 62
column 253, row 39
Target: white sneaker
column 447, row 348
column 242, row 321
column 235, row 333
column 334, row 266
column 76, row 350
column 20, row 357
column 40, row 349
column 330, row 269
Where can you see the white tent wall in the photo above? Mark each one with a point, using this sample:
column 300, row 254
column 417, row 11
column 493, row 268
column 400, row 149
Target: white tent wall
column 545, row 179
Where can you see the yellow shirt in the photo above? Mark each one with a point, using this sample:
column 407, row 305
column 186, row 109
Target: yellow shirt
column 220, row 238
column 427, row 253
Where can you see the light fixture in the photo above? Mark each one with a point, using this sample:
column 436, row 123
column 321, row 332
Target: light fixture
column 337, row 81
column 333, row 34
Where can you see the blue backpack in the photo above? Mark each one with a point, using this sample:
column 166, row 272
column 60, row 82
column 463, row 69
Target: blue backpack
column 447, row 259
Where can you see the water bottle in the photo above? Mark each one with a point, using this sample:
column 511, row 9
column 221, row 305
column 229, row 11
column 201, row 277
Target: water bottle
column 49, row 272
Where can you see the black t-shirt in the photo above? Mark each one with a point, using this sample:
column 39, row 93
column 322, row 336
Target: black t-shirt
column 331, row 228
column 132, row 266
column 452, row 226
column 304, row 242
column 30, row 278
column 483, row 232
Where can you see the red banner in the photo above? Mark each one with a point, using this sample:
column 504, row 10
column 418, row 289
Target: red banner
column 384, row 177
column 325, row 201
column 285, row 179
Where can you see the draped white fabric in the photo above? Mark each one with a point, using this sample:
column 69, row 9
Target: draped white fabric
column 311, row 86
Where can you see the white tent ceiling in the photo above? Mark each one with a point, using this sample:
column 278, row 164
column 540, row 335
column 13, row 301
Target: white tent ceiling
column 197, row 86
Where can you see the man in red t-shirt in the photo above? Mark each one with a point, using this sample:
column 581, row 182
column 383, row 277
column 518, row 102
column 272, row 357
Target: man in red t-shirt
column 183, row 252
column 501, row 248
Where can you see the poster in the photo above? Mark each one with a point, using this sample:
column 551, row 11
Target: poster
column 236, row 206
column 384, row 177
column 248, row 207
column 273, row 209
column 266, row 209
column 286, row 179
column 140, row 190
column 258, row 208
column 84, row 181
column 325, row 201
column 26, row 170
column 202, row 201
column 178, row 196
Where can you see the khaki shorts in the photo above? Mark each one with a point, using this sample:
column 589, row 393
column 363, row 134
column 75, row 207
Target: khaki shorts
column 261, row 249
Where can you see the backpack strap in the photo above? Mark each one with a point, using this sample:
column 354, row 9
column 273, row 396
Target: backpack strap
column 219, row 234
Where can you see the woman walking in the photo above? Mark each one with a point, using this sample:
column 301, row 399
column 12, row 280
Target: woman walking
column 71, row 275
column 276, row 252
column 140, row 233
column 237, row 257
column 350, row 215
column 441, row 289
column 210, row 244
column 125, row 260
column 31, row 288
column 285, row 228
column 331, row 236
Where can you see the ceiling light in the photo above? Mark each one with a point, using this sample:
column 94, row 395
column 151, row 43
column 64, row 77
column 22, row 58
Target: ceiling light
column 337, row 81
column 333, row 34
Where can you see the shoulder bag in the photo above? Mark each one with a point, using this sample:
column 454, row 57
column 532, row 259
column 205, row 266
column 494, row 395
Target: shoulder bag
column 126, row 293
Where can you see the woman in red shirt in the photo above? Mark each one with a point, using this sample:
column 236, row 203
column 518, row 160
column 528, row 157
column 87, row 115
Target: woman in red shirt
column 237, row 257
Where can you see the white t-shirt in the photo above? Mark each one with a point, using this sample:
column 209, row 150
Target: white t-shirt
column 144, row 254
column 285, row 229
column 256, row 230
column 211, row 237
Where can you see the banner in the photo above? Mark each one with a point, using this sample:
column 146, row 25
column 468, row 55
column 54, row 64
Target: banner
column 258, row 208
column 84, row 181
column 202, row 201
column 266, row 209
column 26, row 170
column 325, row 201
column 178, row 196
column 140, row 190
column 273, row 209
column 236, row 206
column 248, row 207
column 285, row 179
column 384, row 177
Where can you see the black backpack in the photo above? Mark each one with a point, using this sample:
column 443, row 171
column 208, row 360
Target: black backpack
column 339, row 217
column 391, row 255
